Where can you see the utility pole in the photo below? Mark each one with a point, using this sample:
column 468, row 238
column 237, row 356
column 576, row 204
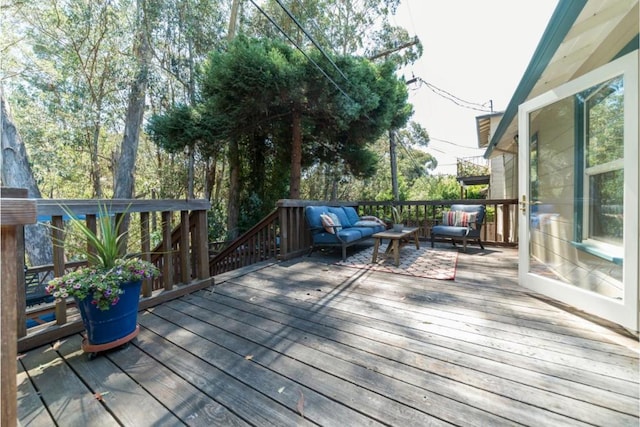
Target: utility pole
column 394, row 165
column 392, row 132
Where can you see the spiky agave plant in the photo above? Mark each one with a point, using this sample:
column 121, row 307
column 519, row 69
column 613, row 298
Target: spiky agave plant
column 107, row 268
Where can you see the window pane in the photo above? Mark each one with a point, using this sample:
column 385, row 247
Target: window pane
column 606, row 206
column 605, row 121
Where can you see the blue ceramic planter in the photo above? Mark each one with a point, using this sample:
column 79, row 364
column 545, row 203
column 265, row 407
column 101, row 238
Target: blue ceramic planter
column 117, row 322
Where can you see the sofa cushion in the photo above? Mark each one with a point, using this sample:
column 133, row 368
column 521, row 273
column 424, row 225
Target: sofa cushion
column 312, row 213
column 347, row 235
column 342, row 217
column 351, row 214
column 365, row 231
column 366, row 223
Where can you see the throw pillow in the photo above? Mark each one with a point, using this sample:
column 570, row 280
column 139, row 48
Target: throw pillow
column 449, row 218
column 465, row 219
column 327, row 223
column 373, row 218
column 336, row 221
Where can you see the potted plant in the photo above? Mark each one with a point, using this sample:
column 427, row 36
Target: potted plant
column 107, row 290
column 397, row 219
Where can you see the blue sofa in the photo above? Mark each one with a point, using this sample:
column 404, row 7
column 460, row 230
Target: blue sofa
column 351, row 229
column 462, row 232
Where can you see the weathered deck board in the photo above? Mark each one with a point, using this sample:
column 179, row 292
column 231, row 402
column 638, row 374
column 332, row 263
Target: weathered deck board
column 335, row 377
column 479, row 372
column 67, row 399
column 114, row 388
column 256, row 408
column 31, row 409
column 309, row 343
column 179, row 396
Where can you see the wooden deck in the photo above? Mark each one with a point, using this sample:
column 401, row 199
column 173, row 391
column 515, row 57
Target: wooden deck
column 306, row 342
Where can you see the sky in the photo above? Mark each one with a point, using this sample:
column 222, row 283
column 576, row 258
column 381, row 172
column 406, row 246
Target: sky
column 477, row 51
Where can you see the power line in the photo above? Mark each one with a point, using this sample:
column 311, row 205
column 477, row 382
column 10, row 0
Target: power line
column 411, row 156
column 453, row 143
column 304, row 53
column 456, row 100
column 295, row 21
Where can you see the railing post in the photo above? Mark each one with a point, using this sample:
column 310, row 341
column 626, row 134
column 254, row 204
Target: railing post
column 201, row 245
column 284, row 231
column 167, row 251
column 14, row 213
column 185, row 247
column 21, row 288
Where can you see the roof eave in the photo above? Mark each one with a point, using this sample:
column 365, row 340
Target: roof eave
column 559, row 25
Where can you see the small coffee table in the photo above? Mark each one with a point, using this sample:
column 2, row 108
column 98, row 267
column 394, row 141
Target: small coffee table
column 397, row 239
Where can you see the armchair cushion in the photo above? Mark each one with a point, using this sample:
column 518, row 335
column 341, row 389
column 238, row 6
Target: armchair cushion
column 461, row 222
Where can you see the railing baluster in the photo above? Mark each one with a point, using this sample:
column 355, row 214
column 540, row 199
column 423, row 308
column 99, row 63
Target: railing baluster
column 185, row 247
column 145, row 248
column 57, row 236
column 167, row 251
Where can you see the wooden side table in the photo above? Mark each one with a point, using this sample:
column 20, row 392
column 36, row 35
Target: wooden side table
column 397, row 239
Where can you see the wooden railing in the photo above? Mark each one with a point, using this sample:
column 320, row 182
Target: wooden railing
column 500, row 227
column 183, row 253
column 15, row 211
column 260, row 243
column 182, row 256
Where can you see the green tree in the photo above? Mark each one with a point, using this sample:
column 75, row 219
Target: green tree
column 74, row 70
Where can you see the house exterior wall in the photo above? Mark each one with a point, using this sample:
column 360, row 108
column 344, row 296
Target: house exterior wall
column 503, row 184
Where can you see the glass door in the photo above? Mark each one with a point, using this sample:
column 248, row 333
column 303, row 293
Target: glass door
column 578, row 178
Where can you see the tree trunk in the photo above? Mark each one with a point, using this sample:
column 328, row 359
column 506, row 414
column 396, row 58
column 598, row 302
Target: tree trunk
column 96, row 173
column 191, row 172
column 296, row 156
column 125, row 167
column 210, row 178
column 233, row 208
column 16, row 172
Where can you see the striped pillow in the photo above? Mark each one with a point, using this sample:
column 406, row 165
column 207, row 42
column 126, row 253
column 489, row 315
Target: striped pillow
column 449, row 218
column 465, row 219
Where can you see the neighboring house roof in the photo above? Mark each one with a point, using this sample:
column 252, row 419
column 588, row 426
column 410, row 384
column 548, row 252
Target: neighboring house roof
column 581, row 35
column 484, row 126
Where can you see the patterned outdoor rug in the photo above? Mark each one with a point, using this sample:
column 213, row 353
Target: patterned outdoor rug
column 423, row 262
